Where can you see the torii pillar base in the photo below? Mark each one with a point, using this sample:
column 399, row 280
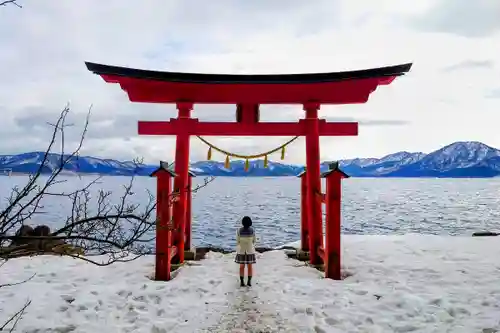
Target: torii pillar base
column 190, row 254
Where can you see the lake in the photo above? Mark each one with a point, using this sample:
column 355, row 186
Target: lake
column 370, row 206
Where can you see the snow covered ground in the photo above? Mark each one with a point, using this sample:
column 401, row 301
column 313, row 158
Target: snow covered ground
column 409, row 283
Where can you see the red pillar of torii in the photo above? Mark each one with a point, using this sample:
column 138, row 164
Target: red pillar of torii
column 247, row 92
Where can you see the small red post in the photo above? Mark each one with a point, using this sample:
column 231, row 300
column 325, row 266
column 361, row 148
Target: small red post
column 188, row 231
column 304, row 229
column 163, row 217
column 333, row 202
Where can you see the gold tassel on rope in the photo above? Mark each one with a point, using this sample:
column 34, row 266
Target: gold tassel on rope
column 209, row 154
column 247, row 164
column 226, row 163
column 265, row 162
column 283, row 153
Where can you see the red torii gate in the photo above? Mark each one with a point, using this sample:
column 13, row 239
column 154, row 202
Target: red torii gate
column 248, row 92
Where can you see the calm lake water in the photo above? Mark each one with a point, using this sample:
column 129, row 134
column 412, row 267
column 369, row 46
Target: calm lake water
column 370, row 206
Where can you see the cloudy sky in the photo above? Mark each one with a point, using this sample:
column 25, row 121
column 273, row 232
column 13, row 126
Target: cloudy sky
column 451, row 94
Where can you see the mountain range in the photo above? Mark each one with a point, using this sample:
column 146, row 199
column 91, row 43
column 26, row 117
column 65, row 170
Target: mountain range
column 457, row 160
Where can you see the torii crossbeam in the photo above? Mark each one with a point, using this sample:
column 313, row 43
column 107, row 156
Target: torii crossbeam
column 247, row 92
column 194, row 127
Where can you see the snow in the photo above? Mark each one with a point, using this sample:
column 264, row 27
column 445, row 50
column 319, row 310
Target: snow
column 411, row 283
column 404, row 157
column 196, row 170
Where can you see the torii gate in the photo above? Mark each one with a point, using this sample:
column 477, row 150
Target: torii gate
column 247, row 92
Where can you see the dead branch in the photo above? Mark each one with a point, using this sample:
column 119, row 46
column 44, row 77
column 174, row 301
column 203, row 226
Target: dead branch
column 16, row 283
column 24, row 203
column 97, row 225
column 10, row 2
column 15, row 317
column 114, row 232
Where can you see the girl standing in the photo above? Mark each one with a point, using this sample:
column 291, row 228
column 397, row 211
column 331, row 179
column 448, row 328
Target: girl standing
column 245, row 250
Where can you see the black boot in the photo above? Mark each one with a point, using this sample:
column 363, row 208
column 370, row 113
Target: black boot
column 242, row 281
column 249, row 283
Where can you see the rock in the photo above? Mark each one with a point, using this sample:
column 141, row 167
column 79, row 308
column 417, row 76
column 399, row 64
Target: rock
column 41, row 230
column 489, row 330
column 24, row 231
column 485, row 233
column 263, row 249
column 27, row 246
column 68, row 298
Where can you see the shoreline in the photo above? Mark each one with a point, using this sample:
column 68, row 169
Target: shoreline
column 82, row 174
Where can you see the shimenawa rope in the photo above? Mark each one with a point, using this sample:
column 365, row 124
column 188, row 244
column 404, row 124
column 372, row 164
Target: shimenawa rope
column 245, row 157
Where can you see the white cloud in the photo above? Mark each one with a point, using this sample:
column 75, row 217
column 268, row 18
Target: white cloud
column 461, row 17
column 449, row 95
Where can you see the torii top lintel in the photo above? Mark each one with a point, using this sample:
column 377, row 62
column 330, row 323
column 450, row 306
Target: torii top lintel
column 325, row 88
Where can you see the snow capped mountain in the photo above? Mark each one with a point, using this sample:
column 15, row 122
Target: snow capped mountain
column 370, row 167
column 459, row 159
column 403, row 157
column 32, row 162
column 459, row 155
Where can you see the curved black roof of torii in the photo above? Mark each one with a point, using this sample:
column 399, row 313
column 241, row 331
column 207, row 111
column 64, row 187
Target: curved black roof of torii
column 380, row 72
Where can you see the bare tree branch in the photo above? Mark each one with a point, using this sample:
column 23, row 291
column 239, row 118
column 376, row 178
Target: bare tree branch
column 10, row 2
column 15, row 318
column 97, row 225
column 16, row 283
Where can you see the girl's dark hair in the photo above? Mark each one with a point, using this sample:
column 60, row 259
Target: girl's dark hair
column 246, row 221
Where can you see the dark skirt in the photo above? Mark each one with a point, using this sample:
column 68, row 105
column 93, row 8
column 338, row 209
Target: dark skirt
column 245, row 259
